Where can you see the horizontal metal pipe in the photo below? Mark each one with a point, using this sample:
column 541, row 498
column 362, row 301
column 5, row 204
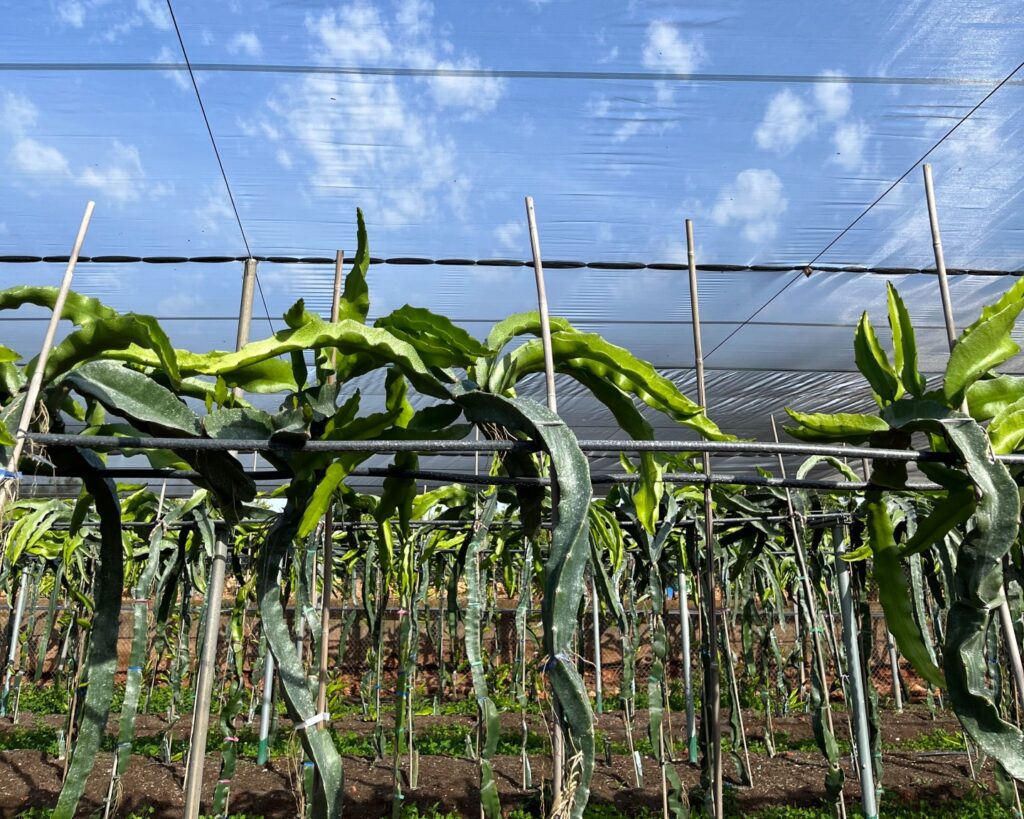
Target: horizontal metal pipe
column 425, row 446
column 696, row 478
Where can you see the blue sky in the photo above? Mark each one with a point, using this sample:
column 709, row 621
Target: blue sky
column 769, row 170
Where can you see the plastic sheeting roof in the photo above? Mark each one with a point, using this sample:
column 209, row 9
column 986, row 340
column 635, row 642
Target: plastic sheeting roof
column 771, row 125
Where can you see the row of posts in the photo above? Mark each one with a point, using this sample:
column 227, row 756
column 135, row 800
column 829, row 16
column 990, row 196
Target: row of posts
column 709, row 580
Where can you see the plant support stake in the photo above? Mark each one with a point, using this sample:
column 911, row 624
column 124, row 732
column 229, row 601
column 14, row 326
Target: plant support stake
column 558, row 734
column 684, row 629
column 712, row 685
column 1005, row 618
column 856, row 688
column 204, row 684
column 8, row 482
column 328, row 564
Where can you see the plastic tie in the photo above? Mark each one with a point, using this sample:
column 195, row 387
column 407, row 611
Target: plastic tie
column 307, row 764
column 316, row 719
column 223, row 781
column 135, row 668
column 6, row 473
column 231, row 739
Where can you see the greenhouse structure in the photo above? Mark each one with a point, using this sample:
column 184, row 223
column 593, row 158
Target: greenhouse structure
column 535, row 409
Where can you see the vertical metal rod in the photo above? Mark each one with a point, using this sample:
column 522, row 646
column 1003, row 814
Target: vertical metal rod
column 812, row 609
column 1006, row 619
column 894, row 670
column 15, row 647
column 328, row 562
column 684, row 628
column 8, row 481
column 204, row 684
column 856, row 687
column 558, row 735
column 712, row 685
column 598, row 669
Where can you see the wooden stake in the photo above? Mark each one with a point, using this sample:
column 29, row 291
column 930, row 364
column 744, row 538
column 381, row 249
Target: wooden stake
column 8, row 482
column 214, row 593
column 558, row 735
column 712, row 684
column 812, row 609
column 1006, row 619
column 204, row 683
column 328, row 562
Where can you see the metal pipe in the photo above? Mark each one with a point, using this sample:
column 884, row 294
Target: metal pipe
column 204, row 683
column 386, row 446
column 894, row 669
column 1006, row 619
column 856, row 684
column 684, row 627
column 15, row 648
column 598, row 670
column 8, row 480
column 504, row 480
column 712, row 684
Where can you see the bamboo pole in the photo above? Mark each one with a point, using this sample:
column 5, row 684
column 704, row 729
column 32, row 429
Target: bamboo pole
column 856, row 687
column 8, row 481
column 204, row 683
column 712, row 683
column 812, row 609
column 1005, row 617
column 328, row 562
column 214, row 593
column 558, row 735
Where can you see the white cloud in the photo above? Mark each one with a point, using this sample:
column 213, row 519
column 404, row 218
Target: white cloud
column 33, row 158
column 510, row 235
column 354, row 35
column 215, row 215
column 246, row 42
column 833, row 98
column 155, row 13
column 754, row 201
column 381, row 136
column 71, row 12
column 121, row 179
column 19, row 113
column 849, row 139
column 147, row 12
column 179, row 78
column 284, row 159
column 664, row 50
column 476, row 94
column 357, row 34
column 787, row 121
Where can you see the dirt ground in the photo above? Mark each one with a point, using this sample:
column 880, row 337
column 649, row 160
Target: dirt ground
column 31, row 779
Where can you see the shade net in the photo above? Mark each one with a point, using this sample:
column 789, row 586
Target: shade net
column 772, row 126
